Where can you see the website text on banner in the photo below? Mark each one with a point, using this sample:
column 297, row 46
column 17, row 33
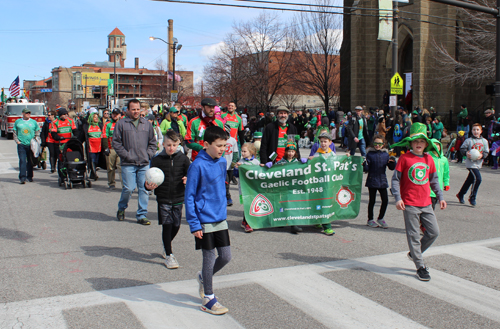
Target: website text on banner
column 319, row 191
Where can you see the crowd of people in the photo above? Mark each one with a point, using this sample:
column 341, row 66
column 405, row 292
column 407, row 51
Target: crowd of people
column 218, row 141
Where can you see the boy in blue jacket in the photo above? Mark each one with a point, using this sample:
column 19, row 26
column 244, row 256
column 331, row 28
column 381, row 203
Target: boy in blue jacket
column 206, row 213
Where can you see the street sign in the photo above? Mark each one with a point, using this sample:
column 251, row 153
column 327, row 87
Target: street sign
column 46, row 90
column 393, row 100
column 396, row 85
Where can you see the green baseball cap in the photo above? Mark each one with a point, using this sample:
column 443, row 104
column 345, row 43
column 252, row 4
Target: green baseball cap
column 173, row 109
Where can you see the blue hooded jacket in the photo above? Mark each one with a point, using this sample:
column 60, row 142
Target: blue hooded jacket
column 205, row 195
column 398, row 134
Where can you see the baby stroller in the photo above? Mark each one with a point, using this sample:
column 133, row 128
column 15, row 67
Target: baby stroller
column 74, row 168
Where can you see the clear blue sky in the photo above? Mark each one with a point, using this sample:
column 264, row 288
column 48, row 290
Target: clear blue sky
column 40, row 35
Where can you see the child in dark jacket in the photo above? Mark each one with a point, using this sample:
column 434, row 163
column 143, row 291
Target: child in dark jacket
column 377, row 159
column 170, row 194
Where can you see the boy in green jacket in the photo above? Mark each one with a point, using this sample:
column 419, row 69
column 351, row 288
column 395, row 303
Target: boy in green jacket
column 442, row 168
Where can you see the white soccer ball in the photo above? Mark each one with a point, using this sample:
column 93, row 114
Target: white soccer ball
column 474, row 154
column 155, row 175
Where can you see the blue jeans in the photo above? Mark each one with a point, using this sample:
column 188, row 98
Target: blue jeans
column 94, row 157
column 25, row 165
column 362, row 147
column 132, row 177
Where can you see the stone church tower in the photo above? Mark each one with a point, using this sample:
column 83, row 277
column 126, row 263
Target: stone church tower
column 117, row 49
column 366, row 63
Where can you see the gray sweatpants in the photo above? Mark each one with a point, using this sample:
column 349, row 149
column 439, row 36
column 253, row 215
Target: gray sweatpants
column 413, row 217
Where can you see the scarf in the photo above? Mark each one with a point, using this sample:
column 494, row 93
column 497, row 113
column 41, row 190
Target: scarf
column 209, row 121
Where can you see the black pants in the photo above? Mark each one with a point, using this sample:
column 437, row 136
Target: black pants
column 229, row 178
column 371, row 202
column 474, row 179
column 54, row 154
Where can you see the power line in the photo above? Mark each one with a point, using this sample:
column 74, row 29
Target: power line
column 316, row 11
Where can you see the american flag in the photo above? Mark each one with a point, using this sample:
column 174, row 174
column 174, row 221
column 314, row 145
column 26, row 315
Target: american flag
column 14, row 88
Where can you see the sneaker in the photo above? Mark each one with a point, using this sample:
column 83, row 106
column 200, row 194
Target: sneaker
column 229, row 202
column 460, row 198
column 144, row 221
column 329, row 231
column 111, row 187
column 247, row 227
column 30, row 180
column 171, row 262
column 472, row 202
column 120, row 214
column 164, row 255
column 423, row 274
column 382, row 223
column 494, row 167
column 201, row 290
column 212, row 306
column 409, row 256
column 318, row 226
column 295, row 229
column 22, row 182
column 372, row 223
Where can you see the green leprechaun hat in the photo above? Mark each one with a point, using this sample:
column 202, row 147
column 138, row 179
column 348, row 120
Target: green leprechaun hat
column 417, row 131
column 291, row 146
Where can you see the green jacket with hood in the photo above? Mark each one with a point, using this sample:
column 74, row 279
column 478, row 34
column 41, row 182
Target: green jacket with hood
column 442, row 167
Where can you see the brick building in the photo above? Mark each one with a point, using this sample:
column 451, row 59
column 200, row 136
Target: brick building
column 72, row 86
column 285, row 75
column 367, row 62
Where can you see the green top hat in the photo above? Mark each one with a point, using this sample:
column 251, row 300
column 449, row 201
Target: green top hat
column 417, row 130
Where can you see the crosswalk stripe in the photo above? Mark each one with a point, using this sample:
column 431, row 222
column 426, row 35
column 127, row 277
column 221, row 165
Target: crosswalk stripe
column 328, row 302
column 331, row 303
column 466, row 294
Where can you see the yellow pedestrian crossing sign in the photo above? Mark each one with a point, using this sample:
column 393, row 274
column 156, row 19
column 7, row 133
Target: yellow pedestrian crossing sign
column 396, row 84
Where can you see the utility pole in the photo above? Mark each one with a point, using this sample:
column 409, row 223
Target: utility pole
column 496, row 14
column 395, row 47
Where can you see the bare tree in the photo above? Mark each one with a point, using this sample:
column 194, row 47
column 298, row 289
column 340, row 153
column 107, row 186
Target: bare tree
column 254, row 63
column 317, row 64
column 288, row 99
column 472, row 60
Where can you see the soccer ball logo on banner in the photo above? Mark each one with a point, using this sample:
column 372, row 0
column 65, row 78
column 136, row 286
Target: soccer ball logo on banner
column 261, row 206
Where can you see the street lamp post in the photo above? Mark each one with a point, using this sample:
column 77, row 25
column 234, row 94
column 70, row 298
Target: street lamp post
column 176, row 47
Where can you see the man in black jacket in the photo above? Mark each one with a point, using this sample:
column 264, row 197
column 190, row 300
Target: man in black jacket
column 274, row 139
column 357, row 132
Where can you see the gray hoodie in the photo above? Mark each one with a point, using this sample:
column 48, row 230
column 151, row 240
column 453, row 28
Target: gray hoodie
column 479, row 144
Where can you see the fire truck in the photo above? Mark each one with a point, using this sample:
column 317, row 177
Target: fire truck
column 11, row 111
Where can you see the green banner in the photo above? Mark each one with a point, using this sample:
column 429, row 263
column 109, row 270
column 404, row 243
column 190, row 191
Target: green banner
column 319, row 191
column 111, row 87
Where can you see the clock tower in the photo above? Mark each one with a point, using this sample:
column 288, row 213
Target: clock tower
column 117, row 49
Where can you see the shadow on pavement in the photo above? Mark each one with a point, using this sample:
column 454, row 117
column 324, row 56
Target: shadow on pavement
column 123, row 253
column 9, row 234
column 151, row 292
column 307, row 259
column 92, row 215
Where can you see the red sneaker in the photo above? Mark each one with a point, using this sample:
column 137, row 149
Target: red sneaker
column 246, row 227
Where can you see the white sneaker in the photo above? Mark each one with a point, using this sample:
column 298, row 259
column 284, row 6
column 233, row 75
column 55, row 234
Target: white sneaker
column 171, row 262
column 212, row 306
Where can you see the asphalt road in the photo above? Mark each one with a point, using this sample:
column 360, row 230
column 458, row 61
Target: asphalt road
column 66, row 262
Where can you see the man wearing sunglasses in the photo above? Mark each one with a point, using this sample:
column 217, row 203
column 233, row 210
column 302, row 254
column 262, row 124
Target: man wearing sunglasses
column 25, row 129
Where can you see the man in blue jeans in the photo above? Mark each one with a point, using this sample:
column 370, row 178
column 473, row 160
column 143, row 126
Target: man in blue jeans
column 357, row 132
column 134, row 142
column 25, row 129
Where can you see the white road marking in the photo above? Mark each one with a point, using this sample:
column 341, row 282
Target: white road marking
column 177, row 303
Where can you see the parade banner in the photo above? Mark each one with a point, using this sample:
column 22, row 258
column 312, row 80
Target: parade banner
column 385, row 20
column 319, row 191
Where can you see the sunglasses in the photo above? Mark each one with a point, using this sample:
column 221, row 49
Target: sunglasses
column 378, row 144
column 143, row 115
